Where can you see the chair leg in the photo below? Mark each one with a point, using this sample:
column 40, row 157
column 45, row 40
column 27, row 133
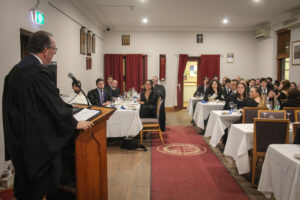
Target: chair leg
column 141, row 136
column 160, row 136
column 254, row 167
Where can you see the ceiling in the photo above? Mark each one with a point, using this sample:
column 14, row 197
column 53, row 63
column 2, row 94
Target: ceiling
column 243, row 15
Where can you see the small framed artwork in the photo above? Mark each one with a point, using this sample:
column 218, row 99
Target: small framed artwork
column 82, row 40
column 94, row 43
column 88, row 63
column 125, row 39
column 230, row 58
column 199, row 38
column 89, row 44
column 296, row 52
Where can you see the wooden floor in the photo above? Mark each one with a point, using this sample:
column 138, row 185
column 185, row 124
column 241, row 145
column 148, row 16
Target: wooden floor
column 129, row 172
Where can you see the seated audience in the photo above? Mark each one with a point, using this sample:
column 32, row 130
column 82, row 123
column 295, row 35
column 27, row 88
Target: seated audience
column 115, row 91
column 214, row 92
column 293, row 98
column 269, row 83
column 233, row 86
column 281, row 96
column 276, row 87
column 148, row 101
column 99, row 96
column 202, row 89
column 224, row 80
column 256, row 99
column 108, row 86
column 77, row 97
column 240, row 98
column 257, row 82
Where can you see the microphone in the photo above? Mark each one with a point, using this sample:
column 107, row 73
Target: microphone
column 70, row 75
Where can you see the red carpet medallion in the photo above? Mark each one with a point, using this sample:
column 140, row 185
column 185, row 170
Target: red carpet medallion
column 186, row 169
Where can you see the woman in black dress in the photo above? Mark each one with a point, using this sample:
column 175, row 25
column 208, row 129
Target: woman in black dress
column 148, row 101
column 214, row 91
column 240, row 98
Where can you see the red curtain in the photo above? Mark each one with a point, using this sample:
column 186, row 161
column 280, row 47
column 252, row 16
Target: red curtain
column 134, row 71
column 145, row 74
column 113, row 66
column 210, row 66
column 162, row 67
column 181, row 67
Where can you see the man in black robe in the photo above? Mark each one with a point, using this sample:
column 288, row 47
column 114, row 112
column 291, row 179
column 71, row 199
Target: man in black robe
column 37, row 123
column 160, row 91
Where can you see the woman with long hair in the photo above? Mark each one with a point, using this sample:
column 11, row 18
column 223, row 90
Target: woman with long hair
column 240, row 98
column 214, row 91
column 148, row 101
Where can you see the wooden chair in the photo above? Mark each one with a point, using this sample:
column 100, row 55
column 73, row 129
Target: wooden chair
column 266, row 132
column 152, row 124
column 272, row 114
column 250, row 113
column 297, row 115
column 292, row 111
column 295, row 127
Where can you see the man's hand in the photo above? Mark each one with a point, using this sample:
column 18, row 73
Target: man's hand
column 84, row 125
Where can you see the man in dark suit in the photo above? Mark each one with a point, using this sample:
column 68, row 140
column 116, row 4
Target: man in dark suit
column 37, row 123
column 264, row 89
column 115, row 91
column 201, row 89
column 160, row 91
column 99, row 96
column 226, row 88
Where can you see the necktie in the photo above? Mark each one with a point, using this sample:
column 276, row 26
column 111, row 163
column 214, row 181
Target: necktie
column 101, row 97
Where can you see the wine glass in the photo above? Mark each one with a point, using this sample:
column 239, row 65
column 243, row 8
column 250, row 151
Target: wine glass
column 231, row 104
column 288, row 115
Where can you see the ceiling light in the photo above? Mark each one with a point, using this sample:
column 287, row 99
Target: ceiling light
column 256, row 0
column 145, row 20
column 225, row 21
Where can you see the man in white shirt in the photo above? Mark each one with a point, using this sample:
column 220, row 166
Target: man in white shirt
column 77, row 97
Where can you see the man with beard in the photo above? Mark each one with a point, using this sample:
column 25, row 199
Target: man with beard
column 77, row 97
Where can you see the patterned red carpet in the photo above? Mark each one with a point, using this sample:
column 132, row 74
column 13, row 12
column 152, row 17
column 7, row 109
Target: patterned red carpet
column 186, row 168
column 7, row 195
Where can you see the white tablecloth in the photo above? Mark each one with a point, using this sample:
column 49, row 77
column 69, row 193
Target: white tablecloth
column 124, row 123
column 239, row 142
column 217, row 123
column 192, row 102
column 281, row 172
column 202, row 111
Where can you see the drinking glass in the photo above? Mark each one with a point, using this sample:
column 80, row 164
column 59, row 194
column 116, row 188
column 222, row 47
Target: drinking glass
column 288, row 115
column 231, row 104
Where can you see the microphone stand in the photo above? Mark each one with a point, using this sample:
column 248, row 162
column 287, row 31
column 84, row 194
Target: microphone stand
column 87, row 100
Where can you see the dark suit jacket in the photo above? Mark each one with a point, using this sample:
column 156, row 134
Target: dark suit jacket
column 94, row 97
column 225, row 93
column 116, row 92
column 160, row 91
column 200, row 90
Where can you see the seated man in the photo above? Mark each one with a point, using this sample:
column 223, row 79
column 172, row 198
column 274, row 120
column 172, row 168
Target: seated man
column 99, row 96
column 201, row 89
column 77, row 97
column 108, row 86
column 115, row 91
column 226, row 88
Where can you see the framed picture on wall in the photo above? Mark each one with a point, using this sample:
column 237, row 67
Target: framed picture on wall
column 230, row 58
column 88, row 63
column 94, row 43
column 89, row 44
column 82, row 40
column 125, row 39
column 296, row 52
column 199, row 38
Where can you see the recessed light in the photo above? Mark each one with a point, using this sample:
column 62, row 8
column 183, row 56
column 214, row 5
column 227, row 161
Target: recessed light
column 256, row 0
column 145, row 20
column 225, row 21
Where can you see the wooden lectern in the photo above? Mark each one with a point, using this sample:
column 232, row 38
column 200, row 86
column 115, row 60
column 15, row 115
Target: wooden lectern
column 91, row 159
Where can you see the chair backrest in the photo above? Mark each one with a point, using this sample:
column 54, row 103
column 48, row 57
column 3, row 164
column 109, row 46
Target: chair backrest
column 250, row 113
column 291, row 110
column 297, row 115
column 272, row 114
column 159, row 102
column 296, row 129
column 270, row 131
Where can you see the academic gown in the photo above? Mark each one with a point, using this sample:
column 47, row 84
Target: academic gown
column 37, row 125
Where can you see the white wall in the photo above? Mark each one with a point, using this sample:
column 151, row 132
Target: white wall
column 14, row 14
column 294, row 69
column 242, row 44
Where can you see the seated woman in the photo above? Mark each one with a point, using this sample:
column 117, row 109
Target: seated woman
column 281, row 96
column 213, row 92
column 148, row 101
column 255, row 100
column 293, row 98
column 240, row 98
